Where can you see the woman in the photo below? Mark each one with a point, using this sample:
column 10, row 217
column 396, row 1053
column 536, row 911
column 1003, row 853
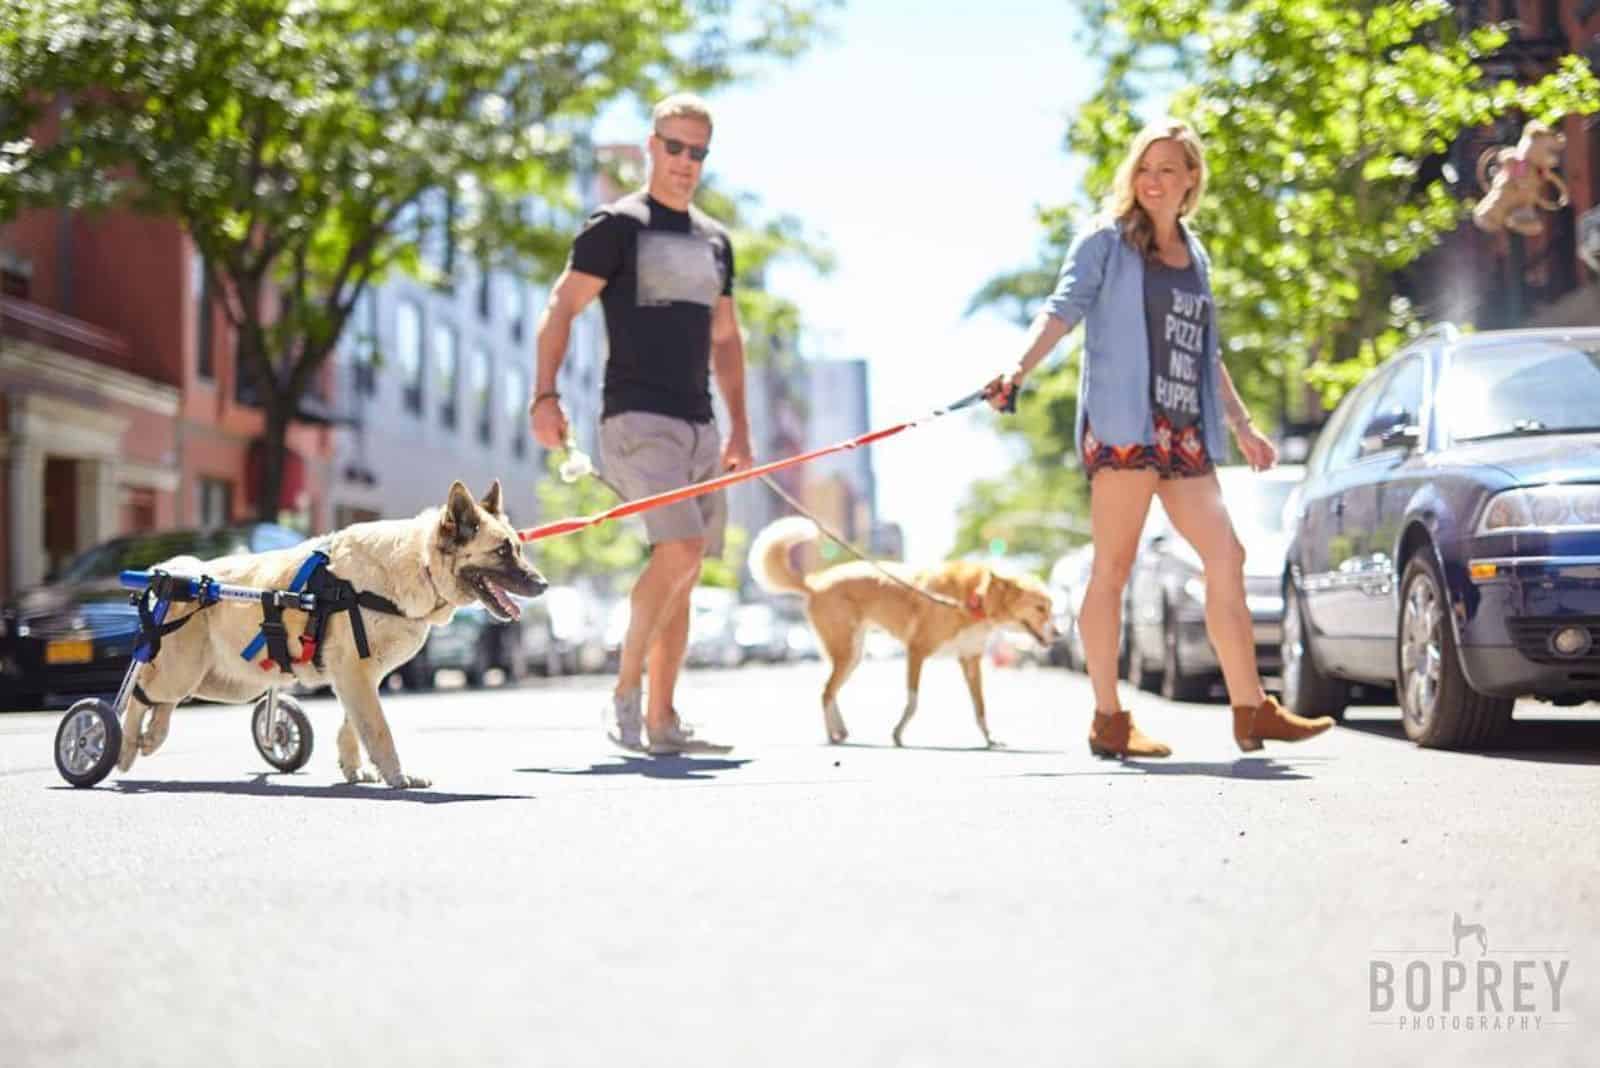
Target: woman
column 1153, row 396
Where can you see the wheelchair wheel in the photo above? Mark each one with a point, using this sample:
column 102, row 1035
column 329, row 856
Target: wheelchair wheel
column 88, row 742
column 284, row 742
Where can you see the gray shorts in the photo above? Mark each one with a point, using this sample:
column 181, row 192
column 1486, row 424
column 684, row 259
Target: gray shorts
column 642, row 454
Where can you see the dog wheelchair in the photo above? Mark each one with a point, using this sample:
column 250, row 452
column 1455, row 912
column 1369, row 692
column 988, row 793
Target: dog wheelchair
column 89, row 739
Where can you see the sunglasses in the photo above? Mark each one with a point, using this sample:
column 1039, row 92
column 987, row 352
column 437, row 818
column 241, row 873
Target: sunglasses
column 675, row 147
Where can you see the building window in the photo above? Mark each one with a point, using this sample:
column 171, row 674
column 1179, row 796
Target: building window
column 446, row 361
column 480, row 392
column 516, row 402
column 435, row 239
column 138, row 509
column 200, row 290
column 214, row 503
column 362, row 333
column 408, row 352
column 508, row 297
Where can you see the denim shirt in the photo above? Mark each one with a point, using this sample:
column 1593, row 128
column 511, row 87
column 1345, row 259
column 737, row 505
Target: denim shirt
column 1102, row 286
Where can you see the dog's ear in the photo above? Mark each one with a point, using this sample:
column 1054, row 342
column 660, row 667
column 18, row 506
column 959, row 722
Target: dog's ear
column 980, row 592
column 491, row 500
column 996, row 592
column 458, row 522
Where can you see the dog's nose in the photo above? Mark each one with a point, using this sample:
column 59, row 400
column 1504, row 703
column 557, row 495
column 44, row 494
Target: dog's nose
column 537, row 584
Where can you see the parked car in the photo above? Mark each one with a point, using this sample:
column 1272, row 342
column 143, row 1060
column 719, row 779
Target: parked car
column 712, row 642
column 74, row 635
column 1169, row 648
column 578, row 627
column 465, row 644
column 1068, row 578
column 761, row 634
column 1447, row 538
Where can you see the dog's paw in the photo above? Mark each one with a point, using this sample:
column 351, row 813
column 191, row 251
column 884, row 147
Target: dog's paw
column 359, row 775
column 993, row 743
column 407, row 782
column 837, row 737
column 149, row 743
column 897, row 740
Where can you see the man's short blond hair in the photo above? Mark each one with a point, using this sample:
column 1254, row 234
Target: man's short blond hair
column 682, row 106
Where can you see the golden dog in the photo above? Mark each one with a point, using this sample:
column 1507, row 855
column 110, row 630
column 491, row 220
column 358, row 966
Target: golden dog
column 427, row 567
column 842, row 601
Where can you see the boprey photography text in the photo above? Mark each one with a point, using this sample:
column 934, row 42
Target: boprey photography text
column 1471, row 986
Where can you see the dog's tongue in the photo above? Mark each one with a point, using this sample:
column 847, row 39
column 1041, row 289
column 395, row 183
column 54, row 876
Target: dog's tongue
column 507, row 605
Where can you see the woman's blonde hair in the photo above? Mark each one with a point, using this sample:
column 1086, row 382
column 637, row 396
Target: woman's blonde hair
column 1122, row 206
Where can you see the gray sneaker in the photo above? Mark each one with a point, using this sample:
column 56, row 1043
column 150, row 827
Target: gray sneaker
column 674, row 741
column 625, row 721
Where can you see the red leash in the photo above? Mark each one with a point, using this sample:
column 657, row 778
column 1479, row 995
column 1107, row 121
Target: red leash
column 711, row 485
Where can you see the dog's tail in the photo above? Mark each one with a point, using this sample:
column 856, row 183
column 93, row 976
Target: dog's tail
column 769, row 554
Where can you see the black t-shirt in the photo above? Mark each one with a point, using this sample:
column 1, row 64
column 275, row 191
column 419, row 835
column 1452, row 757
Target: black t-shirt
column 664, row 272
column 1177, row 314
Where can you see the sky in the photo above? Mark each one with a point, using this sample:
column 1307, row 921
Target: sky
column 917, row 143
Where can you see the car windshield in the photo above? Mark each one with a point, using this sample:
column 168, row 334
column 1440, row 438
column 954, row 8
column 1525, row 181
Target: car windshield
column 141, row 551
column 145, row 550
column 1256, row 502
column 1522, row 387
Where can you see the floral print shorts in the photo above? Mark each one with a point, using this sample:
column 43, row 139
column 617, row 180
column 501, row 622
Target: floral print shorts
column 1176, row 454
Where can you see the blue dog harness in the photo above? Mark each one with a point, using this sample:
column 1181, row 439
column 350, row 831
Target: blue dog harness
column 329, row 594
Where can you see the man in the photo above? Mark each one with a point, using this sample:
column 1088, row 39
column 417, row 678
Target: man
column 664, row 273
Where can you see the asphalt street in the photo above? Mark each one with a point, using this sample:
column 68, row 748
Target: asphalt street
column 551, row 900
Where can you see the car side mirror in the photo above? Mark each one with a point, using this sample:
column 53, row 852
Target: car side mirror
column 1407, row 437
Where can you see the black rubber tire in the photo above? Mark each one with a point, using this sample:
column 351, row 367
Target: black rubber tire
column 111, row 743
column 300, row 738
column 1176, row 684
column 1138, row 671
column 1314, row 693
column 1462, row 718
column 417, row 675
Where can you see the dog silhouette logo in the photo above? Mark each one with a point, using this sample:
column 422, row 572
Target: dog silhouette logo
column 1461, row 930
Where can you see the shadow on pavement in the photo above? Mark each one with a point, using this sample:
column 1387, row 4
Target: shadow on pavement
column 1255, row 769
column 996, row 748
column 1540, row 741
column 262, row 786
column 694, row 769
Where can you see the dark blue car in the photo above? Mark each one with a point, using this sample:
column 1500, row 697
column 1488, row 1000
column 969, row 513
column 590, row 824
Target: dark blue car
column 1447, row 539
column 74, row 635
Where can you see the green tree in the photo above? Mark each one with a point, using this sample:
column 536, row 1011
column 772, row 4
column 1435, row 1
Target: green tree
column 604, row 549
column 299, row 142
column 1325, row 125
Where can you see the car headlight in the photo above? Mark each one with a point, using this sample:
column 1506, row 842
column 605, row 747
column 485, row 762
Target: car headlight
column 1542, row 508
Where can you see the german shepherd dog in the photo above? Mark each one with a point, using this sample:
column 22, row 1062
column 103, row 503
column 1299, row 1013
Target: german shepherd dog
column 842, row 601
column 427, row 567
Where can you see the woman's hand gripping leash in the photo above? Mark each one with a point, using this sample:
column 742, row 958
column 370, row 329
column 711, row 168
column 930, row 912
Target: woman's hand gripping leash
column 1002, row 392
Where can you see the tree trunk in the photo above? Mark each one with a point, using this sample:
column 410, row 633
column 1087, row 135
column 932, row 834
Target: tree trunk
column 274, row 438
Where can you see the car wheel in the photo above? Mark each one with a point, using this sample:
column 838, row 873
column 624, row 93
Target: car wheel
column 1307, row 691
column 417, row 675
column 285, row 744
column 481, row 662
column 1176, row 683
column 1438, row 708
column 1139, row 672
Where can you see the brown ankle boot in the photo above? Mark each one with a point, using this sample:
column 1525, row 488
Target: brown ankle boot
column 1269, row 720
column 1114, row 735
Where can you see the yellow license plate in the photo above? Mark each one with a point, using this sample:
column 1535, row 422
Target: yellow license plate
column 69, row 652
